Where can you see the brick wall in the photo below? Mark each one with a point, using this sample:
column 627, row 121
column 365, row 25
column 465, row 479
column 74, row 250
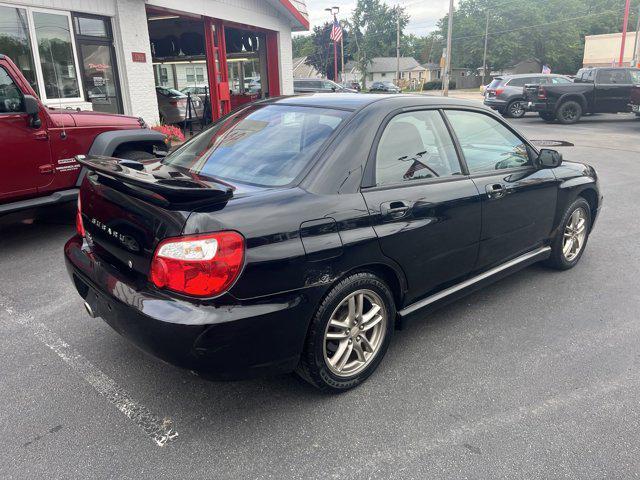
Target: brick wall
column 138, row 85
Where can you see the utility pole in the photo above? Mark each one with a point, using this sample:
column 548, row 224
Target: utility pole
column 397, row 45
column 625, row 24
column 635, row 44
column 486, row 41
column 447, row 60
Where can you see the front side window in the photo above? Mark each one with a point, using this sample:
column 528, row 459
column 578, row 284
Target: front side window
column 415, row 146
column 263, row 145
column 11, row 99
column 486, row 144
column 56, row 55
column 15, row 42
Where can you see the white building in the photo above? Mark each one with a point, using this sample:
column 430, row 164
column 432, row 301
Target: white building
column 604, row 50
column 383, row 69
column 109, row 55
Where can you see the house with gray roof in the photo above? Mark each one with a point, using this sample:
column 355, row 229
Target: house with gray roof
column 383, row 69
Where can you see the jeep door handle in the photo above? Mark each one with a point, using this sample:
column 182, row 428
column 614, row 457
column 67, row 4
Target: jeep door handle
column 395, row 209
column 496, row 190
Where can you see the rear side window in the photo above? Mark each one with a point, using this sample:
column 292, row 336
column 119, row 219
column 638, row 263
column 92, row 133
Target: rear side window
column 263, row 145
column 487, row 145
column 635, row 76
column 11, row 99
column 415, row 146
column 613, row 76
column 520, row 82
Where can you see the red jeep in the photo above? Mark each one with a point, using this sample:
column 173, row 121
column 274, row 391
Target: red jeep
column 38, row 144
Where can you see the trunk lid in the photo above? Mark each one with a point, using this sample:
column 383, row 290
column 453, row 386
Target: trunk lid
column 128, row 207
column 531, row 92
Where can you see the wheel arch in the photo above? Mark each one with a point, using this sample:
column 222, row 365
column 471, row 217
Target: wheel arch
column 572, row 97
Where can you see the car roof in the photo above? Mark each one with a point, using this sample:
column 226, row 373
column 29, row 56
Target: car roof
column 355, row 101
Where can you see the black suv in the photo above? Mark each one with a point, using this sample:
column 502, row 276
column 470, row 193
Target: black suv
column 506, row 93
column 296, row 233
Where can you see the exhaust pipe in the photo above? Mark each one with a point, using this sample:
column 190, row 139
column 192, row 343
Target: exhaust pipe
column 89, row 310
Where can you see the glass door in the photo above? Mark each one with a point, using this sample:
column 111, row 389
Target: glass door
column 97, row 63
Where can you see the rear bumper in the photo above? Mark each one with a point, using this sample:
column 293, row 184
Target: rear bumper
column 225, row 340
column 495, row 103
column 538, row 107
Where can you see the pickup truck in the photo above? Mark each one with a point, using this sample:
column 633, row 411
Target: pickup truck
column 598, row 90
column 39, row 144
column 635, row 100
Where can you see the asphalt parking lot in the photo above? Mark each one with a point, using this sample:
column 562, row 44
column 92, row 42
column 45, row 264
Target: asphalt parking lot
column 534, row 377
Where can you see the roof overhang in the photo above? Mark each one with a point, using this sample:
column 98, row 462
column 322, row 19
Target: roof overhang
column 299, row 20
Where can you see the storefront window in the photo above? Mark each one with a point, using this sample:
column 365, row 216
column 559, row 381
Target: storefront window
column 55, row 48
column 15, row 43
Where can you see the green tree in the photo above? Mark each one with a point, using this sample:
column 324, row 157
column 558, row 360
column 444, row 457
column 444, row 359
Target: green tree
column 373, row 25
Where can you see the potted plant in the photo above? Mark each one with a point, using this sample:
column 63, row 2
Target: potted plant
column 172, row 135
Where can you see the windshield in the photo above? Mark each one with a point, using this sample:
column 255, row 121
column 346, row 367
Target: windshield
column 267, row 145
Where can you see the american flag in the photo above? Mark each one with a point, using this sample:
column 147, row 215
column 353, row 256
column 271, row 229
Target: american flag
column 336, row 31
column 546, row 70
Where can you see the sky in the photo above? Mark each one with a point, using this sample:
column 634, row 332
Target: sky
column 424, row 13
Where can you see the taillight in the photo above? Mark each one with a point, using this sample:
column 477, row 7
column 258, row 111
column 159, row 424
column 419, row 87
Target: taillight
column 199, row 265
column 542, row 93
column 499, row 91
column 79, row 224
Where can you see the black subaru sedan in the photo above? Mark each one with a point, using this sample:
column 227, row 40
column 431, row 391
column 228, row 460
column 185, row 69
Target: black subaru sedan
column 297, row 233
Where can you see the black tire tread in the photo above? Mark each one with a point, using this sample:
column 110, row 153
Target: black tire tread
column 306, row 368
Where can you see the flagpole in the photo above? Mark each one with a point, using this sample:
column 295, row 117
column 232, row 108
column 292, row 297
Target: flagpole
column 342, row 57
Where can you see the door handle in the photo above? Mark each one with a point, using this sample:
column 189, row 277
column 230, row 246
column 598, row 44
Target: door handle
column 46, row 168
column 41, row 135
column 496, row 190
column 395, row 209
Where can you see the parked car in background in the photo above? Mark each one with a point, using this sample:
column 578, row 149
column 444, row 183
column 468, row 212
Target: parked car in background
column 202, row 91
column 506, row 93
column 634, row 104
column 296, row 233
column 173, row 106
column 39, row 144
column 352, row 86
column 388, row 87
column 598, row 90
column 318, row 85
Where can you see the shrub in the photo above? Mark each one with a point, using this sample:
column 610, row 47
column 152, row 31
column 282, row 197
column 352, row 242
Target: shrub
column 171, row 133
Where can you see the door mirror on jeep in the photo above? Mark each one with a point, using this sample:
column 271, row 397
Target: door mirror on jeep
column 548, row 158
column 32, row 108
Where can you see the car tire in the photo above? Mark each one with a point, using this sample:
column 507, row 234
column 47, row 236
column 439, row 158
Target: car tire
column 134, row 155
column 336, row 357
column 577, row 216
column 569, row 112
column 515, row 109
column 547, row 117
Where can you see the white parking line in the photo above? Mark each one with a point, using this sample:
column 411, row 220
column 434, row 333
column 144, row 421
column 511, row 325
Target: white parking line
column 159, row 430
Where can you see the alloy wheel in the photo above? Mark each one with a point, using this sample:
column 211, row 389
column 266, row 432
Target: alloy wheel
column 516, row 109
column 569, row 113
column 575, row 234
column 355, row 333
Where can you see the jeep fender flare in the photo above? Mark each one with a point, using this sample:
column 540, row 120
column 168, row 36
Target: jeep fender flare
column 106, row 143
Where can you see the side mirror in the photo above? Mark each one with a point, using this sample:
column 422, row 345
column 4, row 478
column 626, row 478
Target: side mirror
column 548, row 158
column 32, row 108
column 333, row 89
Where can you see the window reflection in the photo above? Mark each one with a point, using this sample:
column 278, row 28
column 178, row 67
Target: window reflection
column 15, row 42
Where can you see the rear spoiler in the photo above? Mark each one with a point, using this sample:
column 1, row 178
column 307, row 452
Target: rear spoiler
column 163, row 185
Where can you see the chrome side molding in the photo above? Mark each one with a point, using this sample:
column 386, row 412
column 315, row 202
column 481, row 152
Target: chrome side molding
column 541, row 252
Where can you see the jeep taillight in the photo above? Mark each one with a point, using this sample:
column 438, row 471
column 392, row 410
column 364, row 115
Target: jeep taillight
column 198, row 265
column 79, row 224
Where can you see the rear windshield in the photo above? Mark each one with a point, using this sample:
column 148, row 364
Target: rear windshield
column 496, row 83
column 267, row 145
column 169, row 92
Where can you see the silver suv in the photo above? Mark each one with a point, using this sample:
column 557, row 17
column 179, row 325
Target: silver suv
column 506, row 93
